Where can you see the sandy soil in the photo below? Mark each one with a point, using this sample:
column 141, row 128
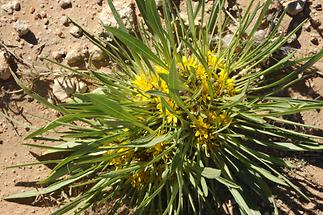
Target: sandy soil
column 44, row 18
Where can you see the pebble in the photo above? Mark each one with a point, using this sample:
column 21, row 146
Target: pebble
column 32, row 10
column 226, row 40
column 126, row 12
column 65, row 4
column 314, row 40
column 259, row 36
column 315, row 22
column 64, row 87
column 99, row 2
column 318, row 7
column 43, row 14
column 46, row 21
column 5, row 73
column 97, row 54
column 76, row 31
column 74, row 56
column 21, row 28
column 58, row 55
column 294, row 7
column 64, row 20
column 12, row 6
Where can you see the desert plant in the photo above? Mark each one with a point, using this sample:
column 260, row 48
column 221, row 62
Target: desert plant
column 182, row 123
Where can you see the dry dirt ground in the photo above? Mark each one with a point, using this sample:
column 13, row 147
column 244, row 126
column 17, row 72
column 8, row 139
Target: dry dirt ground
column 50, row 34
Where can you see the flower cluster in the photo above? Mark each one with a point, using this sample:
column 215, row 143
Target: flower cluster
column 197, row 77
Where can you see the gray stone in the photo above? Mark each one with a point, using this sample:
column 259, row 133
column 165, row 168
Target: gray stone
column 65, row 4
column 97, row 54
column 16, row 5
column 64, row 20
column 11, row 6
column 21, row 28
column 74, row 56
column 226, row 40
column 5, row 73
column 259, row 36
column 126, row 12
column 64, row 87
column 76, row 31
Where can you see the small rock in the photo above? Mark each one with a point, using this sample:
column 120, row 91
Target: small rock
column 76, row 31
column 81, row 87
column 58, row 55
column 16, row 5
column 318, row 7
column 259, row 36
column 126, row 12
column 11, row 6
column 37, row 16
column 64, row 20
column 65, row 4
column 74, row 56
column 7, row 8
column 64, row 87
column 315, row 22
column 43, row 14
column 60, row 34
column 32, row 10
column 99, row 2
column 5, row 73
column 294, row 7
column 226, row 40
column 315, row 41
column 46, row 21
column 283, row 52
column 97, row 54
column 21, row 28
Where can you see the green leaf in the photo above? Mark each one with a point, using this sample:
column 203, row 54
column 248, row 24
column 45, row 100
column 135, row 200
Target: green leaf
column 113, row 108
column 210, row 173
column 117, row 16
column 50, row 189
column 137, row 45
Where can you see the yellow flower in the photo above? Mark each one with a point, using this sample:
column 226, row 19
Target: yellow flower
column 201, row 130
column 139, row 178
column 143, row 82
column 170, row 117
column 230, row 87
column 187, row 63
column 160, row 69
column 223, row 82
column 214, row 61
column 225, row 118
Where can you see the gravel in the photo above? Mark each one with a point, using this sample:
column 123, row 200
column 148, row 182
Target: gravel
column 65, row 4
column 76, row 31
column 22, row 28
